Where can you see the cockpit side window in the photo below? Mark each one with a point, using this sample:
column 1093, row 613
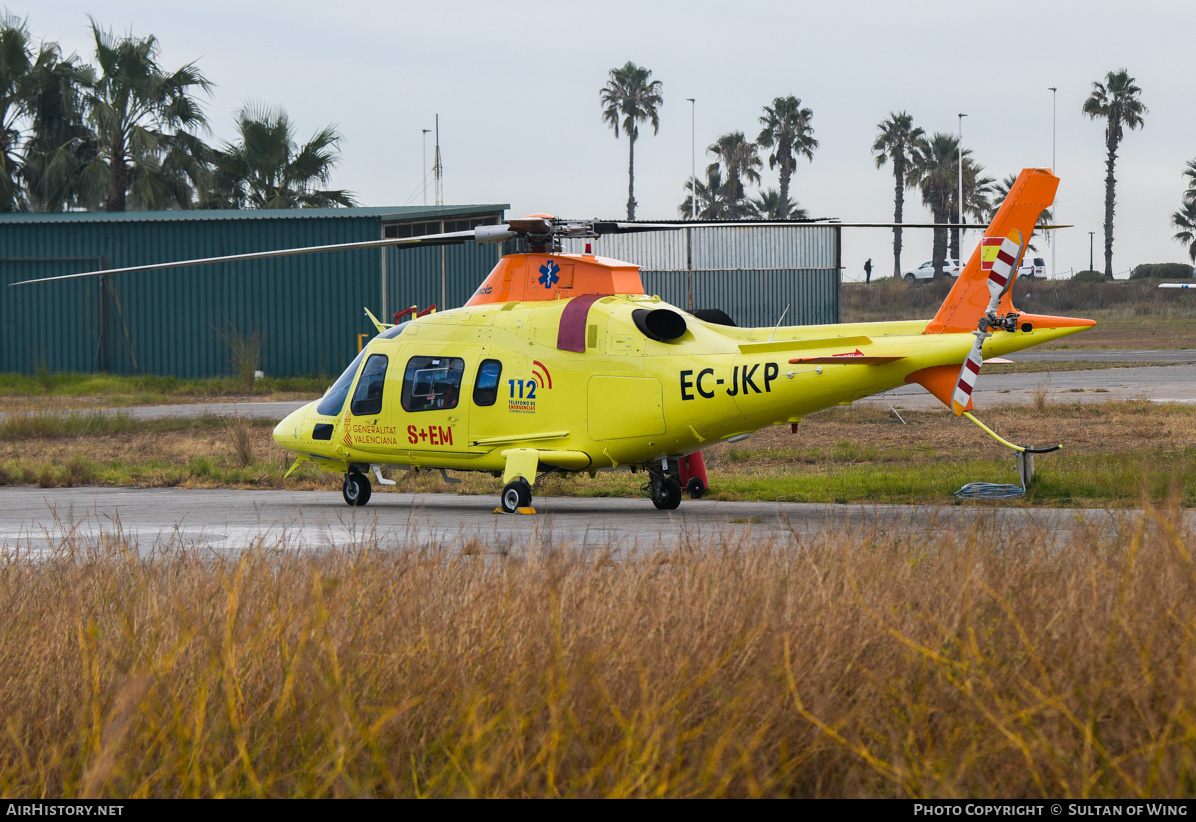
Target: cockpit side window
column 367, row 399
column 485, row 387
column 432, row 383
column 334, row 400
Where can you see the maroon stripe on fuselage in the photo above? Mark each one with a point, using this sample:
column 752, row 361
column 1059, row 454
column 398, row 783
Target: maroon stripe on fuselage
column 571, row 335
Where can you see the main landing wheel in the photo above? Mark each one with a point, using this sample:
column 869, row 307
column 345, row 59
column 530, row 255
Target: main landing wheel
column 695, row 488
column 517, row 494
column 356, row 489
column 667, row 495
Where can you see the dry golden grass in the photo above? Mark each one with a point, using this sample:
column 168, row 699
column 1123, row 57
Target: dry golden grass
column 910, row 663
column 1130, row 315
column 1112, row 332
column 1087, row 428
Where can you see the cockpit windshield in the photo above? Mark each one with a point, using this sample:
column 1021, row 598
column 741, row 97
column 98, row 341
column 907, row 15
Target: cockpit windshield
column 334, row 400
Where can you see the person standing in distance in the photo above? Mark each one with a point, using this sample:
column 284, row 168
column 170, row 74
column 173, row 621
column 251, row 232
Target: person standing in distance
column 868, row 271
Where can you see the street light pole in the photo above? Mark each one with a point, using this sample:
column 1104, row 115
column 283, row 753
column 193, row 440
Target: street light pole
column 960, row 249
column 693, row 205
column 693, row 174
column 1054, row 171
column 425, row 179
column 1091, row 261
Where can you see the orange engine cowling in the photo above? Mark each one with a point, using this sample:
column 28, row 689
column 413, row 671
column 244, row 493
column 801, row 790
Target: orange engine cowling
column 528, row 277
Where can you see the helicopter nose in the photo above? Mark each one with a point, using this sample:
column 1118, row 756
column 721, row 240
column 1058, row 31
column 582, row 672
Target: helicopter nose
column 289, row 433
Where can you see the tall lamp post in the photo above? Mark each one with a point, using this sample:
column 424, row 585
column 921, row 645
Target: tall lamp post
column 693, row 174
column 425, row 178
column 1054, row 171
column 693, row 206
column 961, row 116
column 1091, row 262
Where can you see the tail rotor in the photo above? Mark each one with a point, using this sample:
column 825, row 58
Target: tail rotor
column 999, row 256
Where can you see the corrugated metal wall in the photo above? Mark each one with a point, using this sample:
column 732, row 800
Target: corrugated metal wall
column 413, row 274
column 754, row 298
column 751, row 273
column 307, row 308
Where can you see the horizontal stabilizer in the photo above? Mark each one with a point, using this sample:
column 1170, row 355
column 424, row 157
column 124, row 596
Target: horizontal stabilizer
column 770, row 346
column 844, row 359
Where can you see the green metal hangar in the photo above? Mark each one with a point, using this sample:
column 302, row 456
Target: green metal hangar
column 307, row 308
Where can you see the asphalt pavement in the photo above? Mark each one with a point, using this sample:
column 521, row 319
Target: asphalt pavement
column 36, row 521
column 1077, row 355
column 1162, row 383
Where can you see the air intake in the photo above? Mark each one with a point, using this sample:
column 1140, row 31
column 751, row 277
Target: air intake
column 659, row 324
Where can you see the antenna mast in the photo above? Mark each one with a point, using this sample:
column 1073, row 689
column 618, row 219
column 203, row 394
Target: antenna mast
column 437, row 168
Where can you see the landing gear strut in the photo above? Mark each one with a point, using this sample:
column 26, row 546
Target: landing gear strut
column 356, row 489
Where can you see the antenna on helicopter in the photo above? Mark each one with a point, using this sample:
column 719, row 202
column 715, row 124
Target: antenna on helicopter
column 778, row 325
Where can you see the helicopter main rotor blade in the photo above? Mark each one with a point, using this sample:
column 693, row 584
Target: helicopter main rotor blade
column 449, row 238
column 602, row 227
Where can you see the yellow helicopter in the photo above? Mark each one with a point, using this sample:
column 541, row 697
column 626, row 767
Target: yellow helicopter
column 560, row 362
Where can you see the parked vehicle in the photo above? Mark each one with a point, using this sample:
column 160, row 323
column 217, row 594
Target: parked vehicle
column 926, row 271
column 1032, row 267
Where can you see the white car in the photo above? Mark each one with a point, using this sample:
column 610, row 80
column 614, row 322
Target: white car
column 926, row 271
column 1032, row 267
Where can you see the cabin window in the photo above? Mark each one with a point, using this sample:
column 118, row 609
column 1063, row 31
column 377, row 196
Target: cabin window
column 334, row 399
column 485, row 387
column 367, row 399
column 432, row 383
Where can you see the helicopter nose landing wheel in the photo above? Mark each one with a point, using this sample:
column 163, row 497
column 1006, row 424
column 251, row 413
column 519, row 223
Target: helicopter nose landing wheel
column 666, row 495
column 356, row 489
column 517, row 494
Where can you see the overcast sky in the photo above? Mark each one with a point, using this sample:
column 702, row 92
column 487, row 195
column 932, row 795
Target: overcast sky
column 516, row 86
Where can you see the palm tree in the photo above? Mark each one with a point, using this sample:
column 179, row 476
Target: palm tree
column 937, row 176
column 1190, row 172
column 1185, row 221
column 999, row 192
column 739, row 161
column 59, row 144
column 711, row 205
column 903, row 143
column 266, row 168
column 631, row 97
column 977, row 196
column 1117, row 101
column 16, row 61
column 788, row 132
column 143, row 120
column 768, row 205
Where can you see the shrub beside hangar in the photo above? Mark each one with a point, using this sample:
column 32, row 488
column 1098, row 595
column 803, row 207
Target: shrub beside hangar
column 307, row 308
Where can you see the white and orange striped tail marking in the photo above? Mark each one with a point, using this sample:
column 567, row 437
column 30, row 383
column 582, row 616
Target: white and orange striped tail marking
column 999, row 257
column 961, row 400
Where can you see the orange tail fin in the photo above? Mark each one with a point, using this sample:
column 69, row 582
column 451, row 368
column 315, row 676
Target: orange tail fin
column 968, row 300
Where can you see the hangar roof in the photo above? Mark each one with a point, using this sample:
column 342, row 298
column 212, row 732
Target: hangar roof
column 384, row 214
